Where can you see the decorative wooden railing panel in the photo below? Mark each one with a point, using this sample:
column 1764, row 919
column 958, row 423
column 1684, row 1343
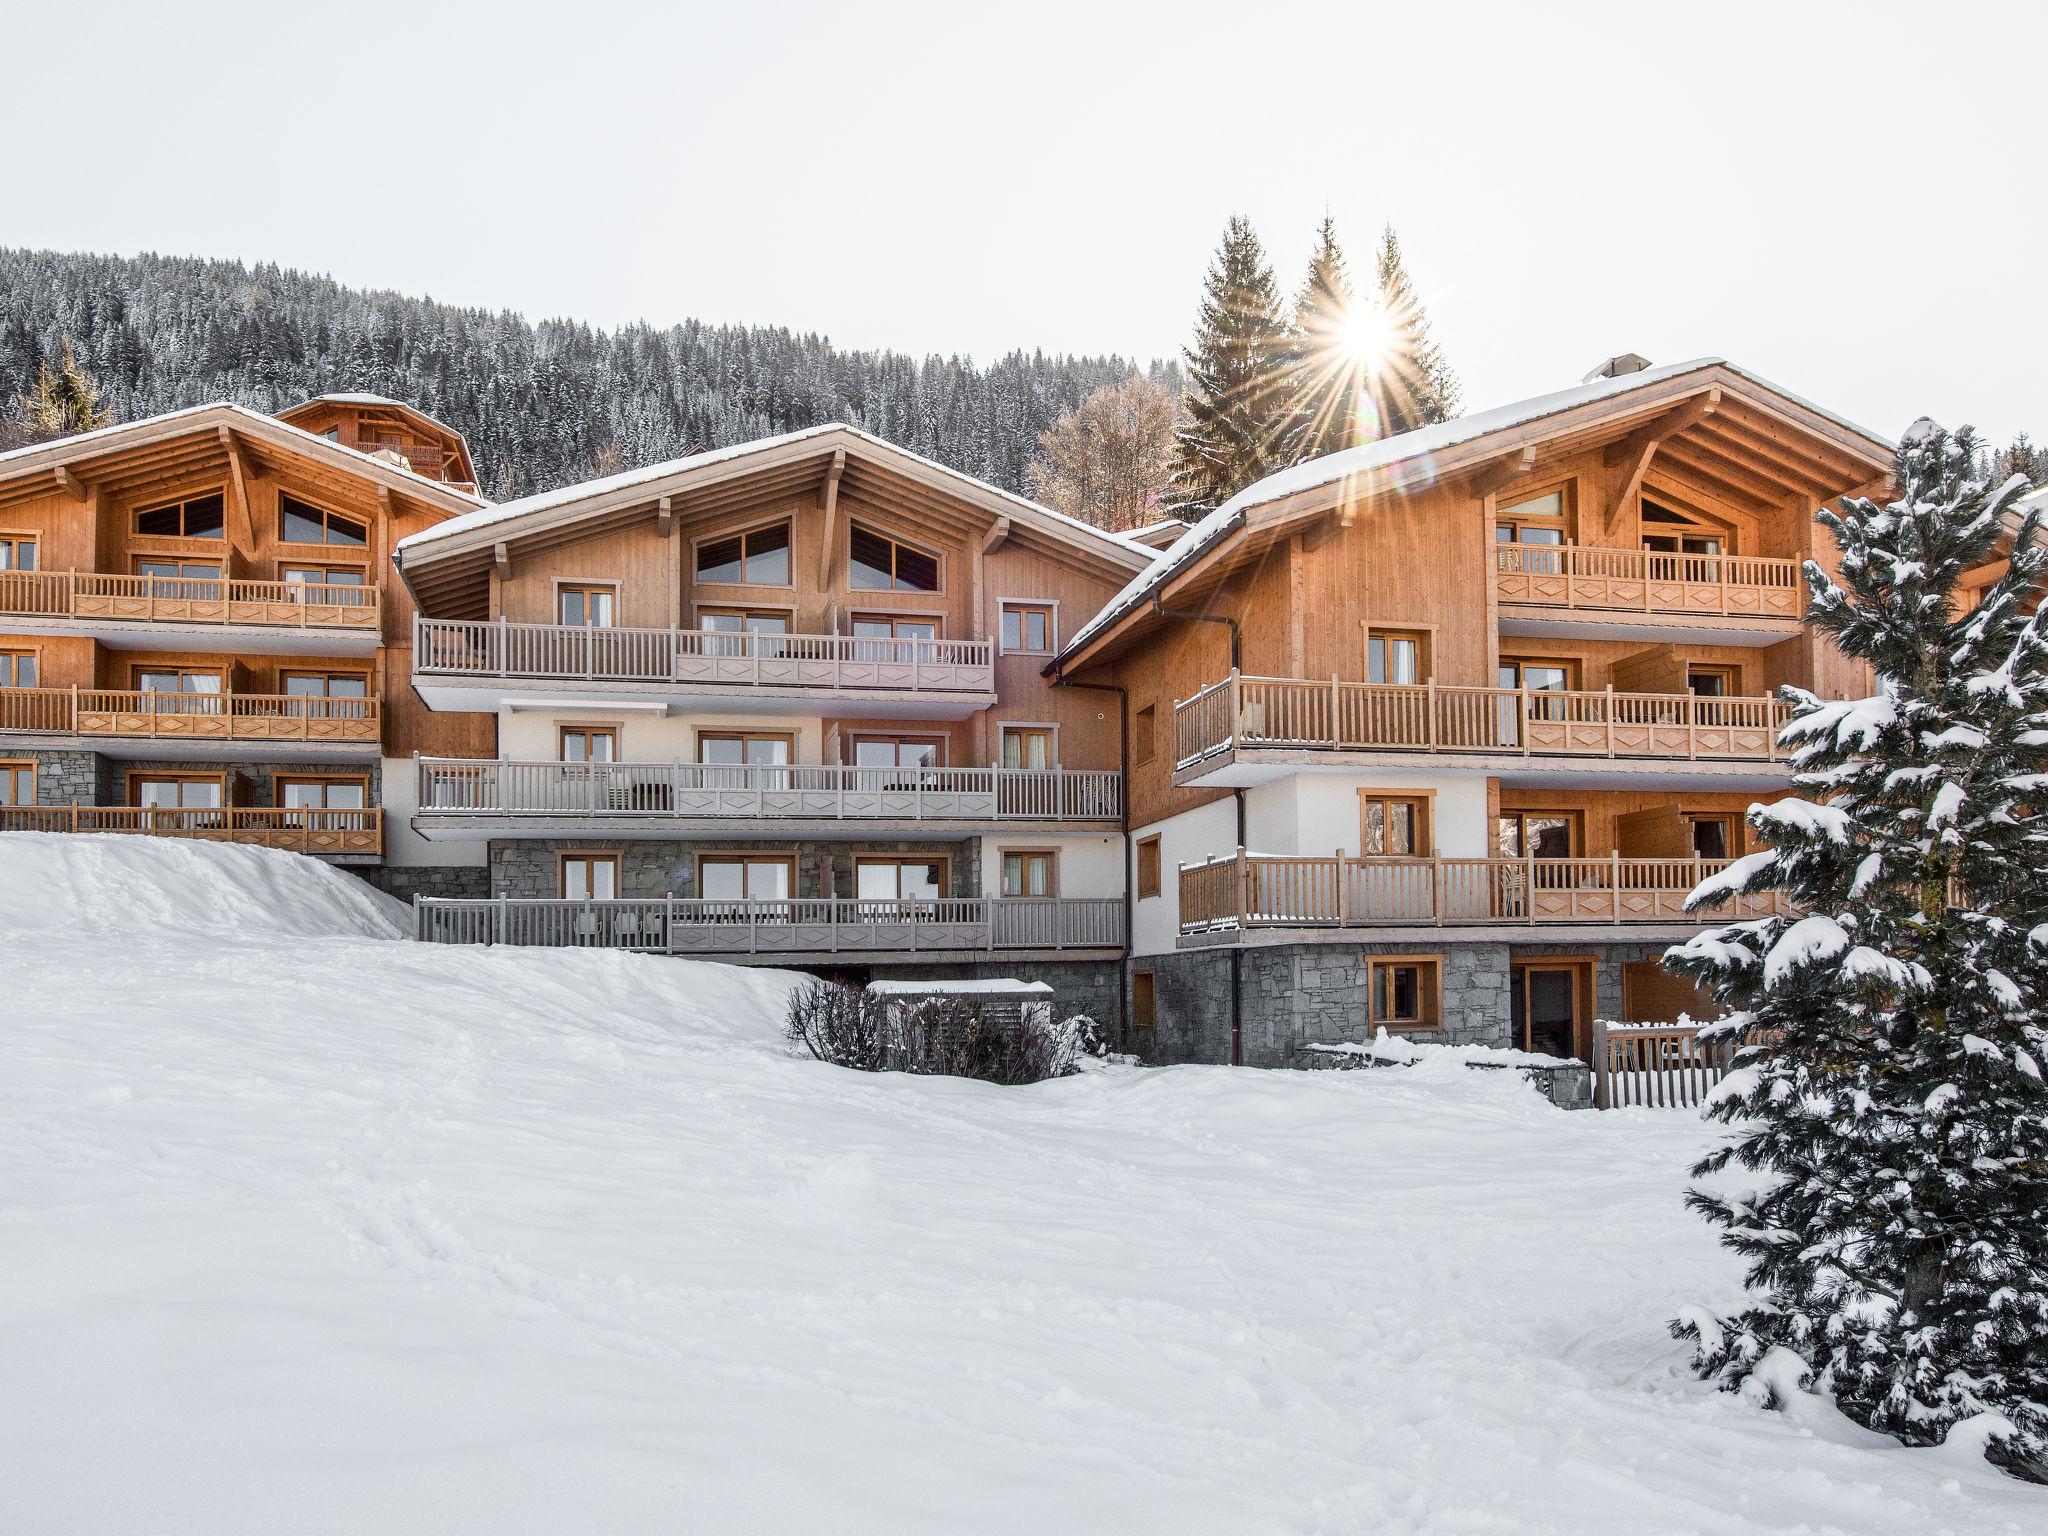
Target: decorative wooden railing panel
column 190, row 716
column 695, row 926
column 797, row 792
column 1286, row 713
column 1642, row 581
column 189, row 600
column 301, row 829
column 566, row 653
column 1256, row 890
column 1659, row 1066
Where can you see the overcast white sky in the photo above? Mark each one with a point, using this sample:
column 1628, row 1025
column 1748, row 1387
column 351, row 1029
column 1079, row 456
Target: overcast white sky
column 1847, row 199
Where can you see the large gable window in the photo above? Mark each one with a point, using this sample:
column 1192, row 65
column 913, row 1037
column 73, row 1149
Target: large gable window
column 196, row 517
column 303, row 523
column 758, row 558
column 879, row 564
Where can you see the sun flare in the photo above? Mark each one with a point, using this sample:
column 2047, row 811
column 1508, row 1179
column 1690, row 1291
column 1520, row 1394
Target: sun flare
column 1366, row 338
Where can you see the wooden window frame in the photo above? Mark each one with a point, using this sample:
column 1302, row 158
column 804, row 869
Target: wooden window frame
column 893, row 617
column 327, row 675
column 369, row 525
column 937, row 556
column 1572, row 816
column 9, row 767
column 1148, row 851
column 181, row 503
column 1144, row 735
column 34, row 653
column 1425, row 820
column 1732, row 820
column 1145, row 1013
column 279, row 782
column 1050, row 855
column 1027, row 605
column 140, row 558
column 594, row 728
column 16, row 537
column 1574, row 668
column 943, row 860
column 1698, row 521
column 1584, row 981
column 1049, row 727
column 325, row 569
column 783, row 611
column 219, row 673
column 1567, row 488
column 742, row 856
column 615, row 856
column 898, row 738
column 584, row 584
column 1429, row 991
column 1424, row 636
column 700, row 735
column 222, row 777
column 698, row 542
column 1729, row 672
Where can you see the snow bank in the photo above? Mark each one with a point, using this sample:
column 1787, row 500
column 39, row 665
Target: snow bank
column 109, row 885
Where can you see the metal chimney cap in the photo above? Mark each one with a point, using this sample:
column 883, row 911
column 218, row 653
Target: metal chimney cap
column 1615, row 367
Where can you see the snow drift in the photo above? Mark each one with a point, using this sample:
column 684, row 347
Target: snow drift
column 335, row 1233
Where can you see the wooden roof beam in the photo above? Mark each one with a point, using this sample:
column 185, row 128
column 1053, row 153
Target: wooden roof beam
column 1490, row 477
column 70, row 484
column 1637, row 449
column 501, row 559
column 828, row 543
column 238, row 485
column 665, row 517
column 998, row 535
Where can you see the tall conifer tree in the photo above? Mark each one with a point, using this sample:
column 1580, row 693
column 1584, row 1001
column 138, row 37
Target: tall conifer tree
column 1238, row 400
column 1414, row 387
column 1888, row 1091
column 1329, row 374
column 63, row 401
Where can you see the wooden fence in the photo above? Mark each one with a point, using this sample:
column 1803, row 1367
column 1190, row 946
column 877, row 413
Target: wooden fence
column 190, row 716
column 1647, row 581
column 189, row 600
column 300, row 829
column 1658, row 1066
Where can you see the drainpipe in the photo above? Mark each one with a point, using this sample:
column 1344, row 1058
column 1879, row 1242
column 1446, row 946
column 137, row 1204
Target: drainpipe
column 1123, row 754
column 1237, row 795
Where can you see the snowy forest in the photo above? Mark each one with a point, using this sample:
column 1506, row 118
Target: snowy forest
column 541, row 404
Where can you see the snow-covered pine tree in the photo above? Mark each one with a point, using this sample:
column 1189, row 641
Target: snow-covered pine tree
column 1237, row 397
column 1415, row 386
column 1888, row 1089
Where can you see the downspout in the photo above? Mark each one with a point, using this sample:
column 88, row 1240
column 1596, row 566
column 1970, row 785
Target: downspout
column 1237, row 795
column 1123, row 755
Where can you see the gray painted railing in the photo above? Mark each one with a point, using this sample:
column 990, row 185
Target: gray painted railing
column 569, row 652
column 695, row 926
column 493, row 789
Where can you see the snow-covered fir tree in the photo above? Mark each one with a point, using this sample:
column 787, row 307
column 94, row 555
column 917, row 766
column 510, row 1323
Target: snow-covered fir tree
column 1238, row 405
column 1887, row 1095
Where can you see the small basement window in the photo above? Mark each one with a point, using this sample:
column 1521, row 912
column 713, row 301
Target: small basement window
column 1404, row 992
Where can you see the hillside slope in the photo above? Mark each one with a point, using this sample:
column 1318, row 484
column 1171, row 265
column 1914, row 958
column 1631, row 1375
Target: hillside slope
column 306, row 1229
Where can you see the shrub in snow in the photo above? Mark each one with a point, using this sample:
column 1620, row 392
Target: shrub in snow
column 940, row 1036
column 1887, row 1087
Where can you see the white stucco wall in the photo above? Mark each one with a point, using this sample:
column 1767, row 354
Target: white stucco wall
column 1087, row 866
column 1317, row 813
column 646, row 737
column 1185, row 839
column 404, row 847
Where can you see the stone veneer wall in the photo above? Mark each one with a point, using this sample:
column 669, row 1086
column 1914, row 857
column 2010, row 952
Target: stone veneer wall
column 462, row 881
column 528, row 867
column 65, row 778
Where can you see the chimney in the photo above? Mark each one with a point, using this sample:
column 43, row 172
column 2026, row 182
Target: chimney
column 1615, row 367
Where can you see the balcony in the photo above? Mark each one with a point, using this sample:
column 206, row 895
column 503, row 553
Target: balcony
column 819, row 930
column 482, row 666
column 239, row 725
column 351, row 835
column 1547, row 589
column 141, row 612
column 1245, row 728
column 539, row 799
column 1228, row 897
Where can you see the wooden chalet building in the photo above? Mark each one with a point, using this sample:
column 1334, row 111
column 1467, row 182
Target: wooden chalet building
column 1438, row 733
column 784, row 702
column 201, row 634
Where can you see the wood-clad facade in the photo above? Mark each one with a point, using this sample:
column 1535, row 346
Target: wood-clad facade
column 1541, row 652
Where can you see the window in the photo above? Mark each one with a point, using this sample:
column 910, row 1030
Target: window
column 1148, row 867
column 1542, row 520
column 1537, row 834
column 326, row 685
column 17, row 669
column 887, row 637
column 734, row 752
column 588, row 743
column 197, row 517
column 195, row 580
column 1028, row 746
column 1144, row 735
column 177, row 791
column 899, row 879
column 590, row 876
column 1543, row 1007
column 877, row 563
column 326, row 803
column 300, row 522
column 1393, row 826
column 1402, row 992
column 17, row 781
column 1538, row 677
column 1666, row 532
column 737, row 631
column 899, row 751
column 1028, row 872
column 1713, row 837
column 757, row 558
column 745, row 876
column 1144, row 1000
column 344, row 586
column 1028, row 629
column 1394, row 656
column 176, row 691
column 17, row 552
column 587, row 605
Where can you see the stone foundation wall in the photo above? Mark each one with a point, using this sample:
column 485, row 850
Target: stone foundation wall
column 528, row 867
column 461, row 881
column 64, row 778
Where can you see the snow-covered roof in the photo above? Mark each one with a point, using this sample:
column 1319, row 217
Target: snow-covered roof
column 978, row 987
column 1372, row 459
column 456, row 528
column 356, row 398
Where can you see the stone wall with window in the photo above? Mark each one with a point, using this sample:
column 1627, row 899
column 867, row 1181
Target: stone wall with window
column 530, row 867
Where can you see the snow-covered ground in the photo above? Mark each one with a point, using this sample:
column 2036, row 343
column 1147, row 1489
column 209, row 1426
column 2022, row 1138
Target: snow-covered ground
column 304, row 1229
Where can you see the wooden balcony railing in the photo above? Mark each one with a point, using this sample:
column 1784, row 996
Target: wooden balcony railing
column 1257, row 890
column 492, row 790
column 189, row 600
column 189, row 716
column 680, row 926
column 301, row 829
column 1274, row 712
column 565, row 653
column 1642, row 581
